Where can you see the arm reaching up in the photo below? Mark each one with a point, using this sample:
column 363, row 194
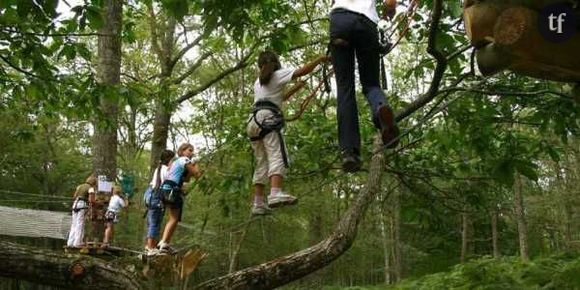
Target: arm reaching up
column 309, row 67
column 295, row 88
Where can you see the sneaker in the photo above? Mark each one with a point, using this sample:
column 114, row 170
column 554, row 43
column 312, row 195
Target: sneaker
column 261, row 209
column 152, row 252
column 350, row 161
column 389, row 129
column 281, row 199
column 165, row 247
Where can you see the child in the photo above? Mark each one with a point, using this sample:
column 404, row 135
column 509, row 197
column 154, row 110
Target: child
column 112, row 215
column 155, row 208
column 79, row 208
column 180, row 171
column 264, row 129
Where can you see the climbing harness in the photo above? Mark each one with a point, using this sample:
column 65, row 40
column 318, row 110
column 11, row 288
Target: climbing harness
column 385, row 44
column 79, row 204
column 273, row 123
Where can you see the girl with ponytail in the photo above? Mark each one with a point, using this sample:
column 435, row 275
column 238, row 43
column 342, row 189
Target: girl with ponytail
column 155, row 207
column 264, row 128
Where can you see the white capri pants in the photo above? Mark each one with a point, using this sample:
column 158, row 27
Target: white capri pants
column 267, row 151
column 77, row 228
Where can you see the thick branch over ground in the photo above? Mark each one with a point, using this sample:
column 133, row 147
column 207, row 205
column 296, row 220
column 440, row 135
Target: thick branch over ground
column 55, row 269
column 285, row 269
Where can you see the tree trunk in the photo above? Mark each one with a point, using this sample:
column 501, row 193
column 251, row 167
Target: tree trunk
column 160, row 133
column 285, row 269
column 68, row 272
column 385, row 244
column 108, row 75
column 521, row 218
column 494, row 234
column 568, row 226
column 162, row 39
column 464, row 234
column 396, row 236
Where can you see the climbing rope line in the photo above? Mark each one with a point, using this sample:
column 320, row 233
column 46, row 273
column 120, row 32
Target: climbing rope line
column 306, row 100
column 33, row 201
column 32, row 194
column 410, row 13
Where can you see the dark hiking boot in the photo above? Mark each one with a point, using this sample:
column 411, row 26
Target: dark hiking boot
column 389, row 130
column 350, row 161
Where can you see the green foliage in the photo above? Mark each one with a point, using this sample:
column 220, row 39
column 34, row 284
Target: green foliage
column 506, row 273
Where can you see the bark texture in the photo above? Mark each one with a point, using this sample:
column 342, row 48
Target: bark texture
column 464, row 236
column 506, row 35
column 109, row 76
column 521, row 219
column 494, row 234
column 55, row 269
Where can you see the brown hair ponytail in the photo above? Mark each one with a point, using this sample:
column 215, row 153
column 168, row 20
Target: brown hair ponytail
column 268, row 63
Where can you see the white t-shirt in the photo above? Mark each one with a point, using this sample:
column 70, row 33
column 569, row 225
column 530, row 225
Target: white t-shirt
column 116, row 204
column 366, row 7
column 153, row 182
column 273, row 90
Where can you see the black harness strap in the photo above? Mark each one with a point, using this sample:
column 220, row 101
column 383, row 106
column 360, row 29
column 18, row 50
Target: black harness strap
column 275, row 123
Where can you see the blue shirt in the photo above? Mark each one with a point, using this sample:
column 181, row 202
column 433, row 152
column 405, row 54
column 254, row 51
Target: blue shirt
column 176, row 171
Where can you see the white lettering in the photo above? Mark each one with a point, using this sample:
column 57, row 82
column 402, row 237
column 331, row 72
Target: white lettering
column 559, row 20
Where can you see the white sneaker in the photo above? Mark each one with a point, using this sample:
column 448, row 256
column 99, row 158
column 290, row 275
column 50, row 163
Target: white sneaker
column 281, row 199
column 152, row 252
column 261, row 209
column 164, row 247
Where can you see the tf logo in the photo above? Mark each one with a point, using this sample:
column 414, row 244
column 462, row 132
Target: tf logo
column 557, row 22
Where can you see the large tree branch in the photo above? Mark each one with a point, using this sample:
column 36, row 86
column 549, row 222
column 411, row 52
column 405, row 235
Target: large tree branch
column 508, row 93
column 193, row 67
column 240, row 65
column 439, row 67
column 285, row 269
column 69, row 272
column 191, row 45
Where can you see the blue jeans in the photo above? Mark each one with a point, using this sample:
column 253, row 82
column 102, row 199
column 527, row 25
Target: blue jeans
column 154, row 220
column 360, row 40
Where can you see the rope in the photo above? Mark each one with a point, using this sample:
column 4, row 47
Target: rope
column 306, row 101
column 32, row 194
column 33, row 201
column 410, row 13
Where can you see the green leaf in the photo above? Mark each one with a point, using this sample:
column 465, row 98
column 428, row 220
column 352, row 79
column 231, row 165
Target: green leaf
column 527, row 169
column 94, row 17
column 504, row 171
column 177, row 8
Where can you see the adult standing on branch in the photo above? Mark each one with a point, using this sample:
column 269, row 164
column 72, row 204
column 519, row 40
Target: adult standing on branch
column 265, row 126
column 180, row 171
column 353, row 33
column 79, row 208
